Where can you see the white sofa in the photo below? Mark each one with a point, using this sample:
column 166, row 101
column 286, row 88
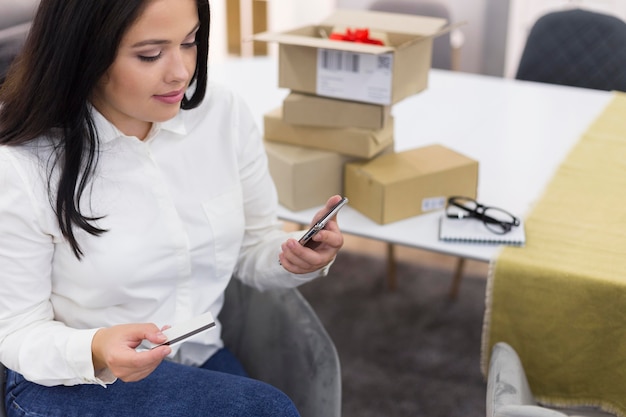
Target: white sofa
column 15, row 20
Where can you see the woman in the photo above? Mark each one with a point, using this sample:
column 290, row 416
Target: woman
column 131, row 193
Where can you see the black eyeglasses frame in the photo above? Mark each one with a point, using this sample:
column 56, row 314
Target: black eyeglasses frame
column 478, row 212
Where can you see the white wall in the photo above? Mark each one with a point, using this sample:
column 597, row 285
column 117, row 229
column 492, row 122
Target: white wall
column 218, row 49
column 287, row 14
column 282, row 15
column 473, row 12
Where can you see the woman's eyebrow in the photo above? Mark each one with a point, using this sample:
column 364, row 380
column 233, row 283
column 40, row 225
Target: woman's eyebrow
column 150, row 42
column 162, row 41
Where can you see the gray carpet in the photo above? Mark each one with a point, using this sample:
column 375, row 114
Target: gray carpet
column 410, row 352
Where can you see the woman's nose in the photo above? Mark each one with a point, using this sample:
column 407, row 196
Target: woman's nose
column 179, row 68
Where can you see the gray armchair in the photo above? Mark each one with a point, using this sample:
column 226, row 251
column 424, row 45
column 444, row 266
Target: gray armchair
column 15, row 21
column 279, row 339
column 509, row 395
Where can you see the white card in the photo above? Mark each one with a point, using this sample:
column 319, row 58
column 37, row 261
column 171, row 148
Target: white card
column 181, row 331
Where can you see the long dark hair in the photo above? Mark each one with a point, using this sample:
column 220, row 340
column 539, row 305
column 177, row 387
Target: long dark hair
column 70, row 46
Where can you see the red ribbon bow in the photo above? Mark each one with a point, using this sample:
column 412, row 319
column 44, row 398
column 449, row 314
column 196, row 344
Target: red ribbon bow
column 357, row 35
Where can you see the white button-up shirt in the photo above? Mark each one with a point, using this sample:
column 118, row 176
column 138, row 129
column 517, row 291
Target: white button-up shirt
column 184, row 210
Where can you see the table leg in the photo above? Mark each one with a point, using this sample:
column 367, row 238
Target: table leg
column 456, row 279
column 391, row 266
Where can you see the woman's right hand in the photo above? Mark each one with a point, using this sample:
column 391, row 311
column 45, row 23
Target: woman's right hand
column 114, row 348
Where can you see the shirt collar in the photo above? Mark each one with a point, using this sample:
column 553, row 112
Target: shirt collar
column 107, row 131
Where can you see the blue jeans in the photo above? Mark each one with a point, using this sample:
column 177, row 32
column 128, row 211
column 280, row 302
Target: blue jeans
column 217, row 388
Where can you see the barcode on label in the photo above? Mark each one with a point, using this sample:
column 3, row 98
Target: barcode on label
column 384, row 62
column 340, row 61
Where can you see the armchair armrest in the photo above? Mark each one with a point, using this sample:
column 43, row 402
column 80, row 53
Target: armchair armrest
column 507, row 384
column 279, row 339
column 527, row 411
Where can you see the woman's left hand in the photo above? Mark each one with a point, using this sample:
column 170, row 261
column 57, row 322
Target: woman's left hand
column 300, row 259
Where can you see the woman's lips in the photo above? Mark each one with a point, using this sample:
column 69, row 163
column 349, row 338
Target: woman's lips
column 171, row 98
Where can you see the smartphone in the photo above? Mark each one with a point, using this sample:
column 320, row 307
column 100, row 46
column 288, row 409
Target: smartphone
column 305, row 240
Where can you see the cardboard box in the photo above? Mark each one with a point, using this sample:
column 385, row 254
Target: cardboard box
column 311, row 110
column 401, row 185
column 362, row 143
column 311, row 63
column 305, row 177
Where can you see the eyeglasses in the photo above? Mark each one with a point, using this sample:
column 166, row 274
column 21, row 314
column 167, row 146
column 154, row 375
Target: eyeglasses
column 495, row 219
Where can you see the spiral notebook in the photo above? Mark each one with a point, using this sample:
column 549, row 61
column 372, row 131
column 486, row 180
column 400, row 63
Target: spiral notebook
column 474, row 231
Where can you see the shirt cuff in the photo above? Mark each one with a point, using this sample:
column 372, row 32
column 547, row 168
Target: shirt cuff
column 81, row 361
column 322, row 272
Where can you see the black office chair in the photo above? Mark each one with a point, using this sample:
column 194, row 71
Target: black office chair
column 578, row 48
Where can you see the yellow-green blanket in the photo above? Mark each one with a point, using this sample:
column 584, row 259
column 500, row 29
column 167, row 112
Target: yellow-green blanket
column 561, row 300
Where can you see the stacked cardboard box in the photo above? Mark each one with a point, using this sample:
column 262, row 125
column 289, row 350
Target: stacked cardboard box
column 341, row 93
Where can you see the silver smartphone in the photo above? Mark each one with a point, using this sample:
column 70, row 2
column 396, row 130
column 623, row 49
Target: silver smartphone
column 305, row 240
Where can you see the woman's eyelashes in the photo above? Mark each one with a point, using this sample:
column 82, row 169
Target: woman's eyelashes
column 151, row 57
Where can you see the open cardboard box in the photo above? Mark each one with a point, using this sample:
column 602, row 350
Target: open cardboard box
column 405, row 184
column 309, row 62
column 362, row 143
column 312, row 110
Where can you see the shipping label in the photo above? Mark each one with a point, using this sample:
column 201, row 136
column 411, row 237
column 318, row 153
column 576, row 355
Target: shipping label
column 355, row 76
column 433, row 203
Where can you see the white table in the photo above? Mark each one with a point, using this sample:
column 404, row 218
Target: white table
column 518, row 131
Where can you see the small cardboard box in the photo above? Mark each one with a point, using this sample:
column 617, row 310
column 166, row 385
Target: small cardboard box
column 404, row 184
column 311, row 110
column 304, row 177
column 362, row 143
column 311, row 63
